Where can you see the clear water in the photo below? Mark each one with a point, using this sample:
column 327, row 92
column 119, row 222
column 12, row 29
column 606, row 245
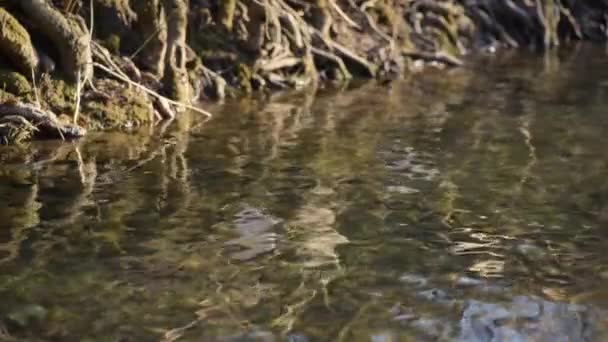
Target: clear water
column 467, row 205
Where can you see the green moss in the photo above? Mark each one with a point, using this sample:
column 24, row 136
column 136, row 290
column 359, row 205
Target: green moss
column 112, row 43
column 122, row 108
column 244, row 76
column 59, row 95
column 14, row 82
column 6, row 96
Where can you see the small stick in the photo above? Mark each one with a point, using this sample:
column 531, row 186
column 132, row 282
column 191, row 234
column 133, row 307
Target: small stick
column 91, row 22
column 35, row 88
column 143, row 45
column 78, row 90
column 83, row 178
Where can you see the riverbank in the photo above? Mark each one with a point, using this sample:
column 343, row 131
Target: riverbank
column 114, row 64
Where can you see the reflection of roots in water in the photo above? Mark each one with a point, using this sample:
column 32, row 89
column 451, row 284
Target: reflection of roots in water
column 25, row 218
column 312, row 283
column 313, row 231
column 303, row 295
column 5, row 335
column 287, row 320
column 526, row 171
column 316, row 238
column 177, row 333
column 343, row 334
column 71, row 210
column 88, row 179
column 215, row 306
column 446, row 203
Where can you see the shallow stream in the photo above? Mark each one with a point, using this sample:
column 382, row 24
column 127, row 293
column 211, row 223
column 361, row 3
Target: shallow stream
column 461, row 205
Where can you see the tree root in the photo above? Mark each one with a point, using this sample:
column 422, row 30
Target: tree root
column 47, row 124
column 438, row 57
column 252, row 44
column 16, row 45
column 68, row 34
column 175, row 81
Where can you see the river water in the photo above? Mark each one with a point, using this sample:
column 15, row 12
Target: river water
column 460, row 205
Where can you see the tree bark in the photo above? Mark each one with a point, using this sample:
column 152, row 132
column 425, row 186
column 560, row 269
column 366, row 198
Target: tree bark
column 152, row 26
column 320, row 17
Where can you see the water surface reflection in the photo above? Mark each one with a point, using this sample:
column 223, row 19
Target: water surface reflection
column 466, row 205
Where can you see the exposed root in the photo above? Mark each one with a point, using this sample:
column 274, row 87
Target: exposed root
column 16, row 45
column 46, row 123
column 68, row 34
column 252, row 44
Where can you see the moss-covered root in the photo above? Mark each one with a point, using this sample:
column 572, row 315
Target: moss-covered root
column 176, row 82
column 116, row 106
column 227, row 8
column 16, row 45
column 152, row 26
column 14, row 83
column 69, row 35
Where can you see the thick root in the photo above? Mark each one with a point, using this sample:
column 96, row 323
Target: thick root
column 227, row 8
column 152, row 27
column 176, row 82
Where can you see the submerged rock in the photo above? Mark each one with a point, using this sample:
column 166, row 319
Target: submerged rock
column 530, row 319
column 255, row 233
column 434, row 295
column 531, row 251
column 115, row 105
column 254, row 336
column 413, row 279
